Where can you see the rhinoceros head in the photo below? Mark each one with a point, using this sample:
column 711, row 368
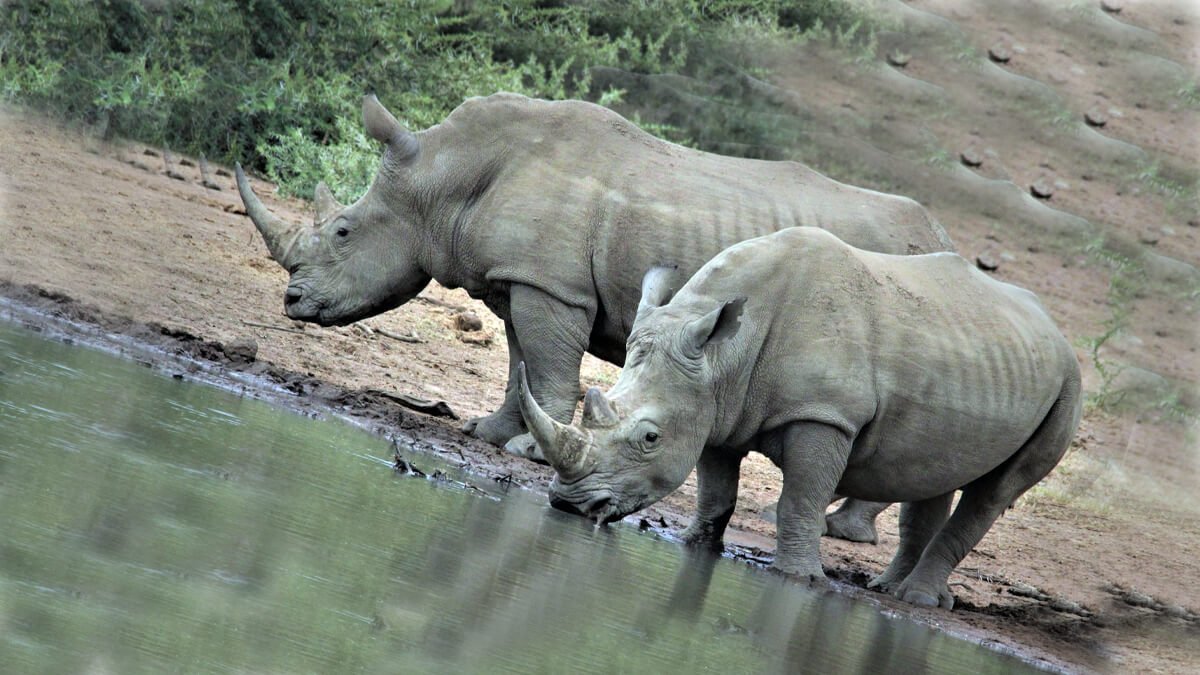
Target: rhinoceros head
column 638, row 444
column 354, row 261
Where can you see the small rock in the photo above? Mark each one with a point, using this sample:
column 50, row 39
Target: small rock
column 149, row 153
column 184, row 161
column 1095, row 117
column 299, row 324
column 1148, row 237
column 481, row 339
column 1041, row 189
column 1112, row 6
column 1175, row 611
column 1007, row 257
column 898, row 58
column 1060, row 184
column 971, row 157
column 999, row 52
column 1138, row 599
column 1067, row 606
column 1024, row 590
column 468, row 321
column 1167, row 230
column 986, row 262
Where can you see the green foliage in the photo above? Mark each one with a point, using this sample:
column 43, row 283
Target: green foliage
column 1126, row 279
column 276, row 84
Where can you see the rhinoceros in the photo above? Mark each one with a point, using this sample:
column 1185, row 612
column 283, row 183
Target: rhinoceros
column 550, row 213
column 880, row 377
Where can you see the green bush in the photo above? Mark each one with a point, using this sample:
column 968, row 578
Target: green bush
column 276, row 84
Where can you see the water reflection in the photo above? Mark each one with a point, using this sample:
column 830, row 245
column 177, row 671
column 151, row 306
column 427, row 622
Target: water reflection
column 155, row 526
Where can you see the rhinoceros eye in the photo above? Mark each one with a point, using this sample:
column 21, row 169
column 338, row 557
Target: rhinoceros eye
column 651, row 438
column 341, row 232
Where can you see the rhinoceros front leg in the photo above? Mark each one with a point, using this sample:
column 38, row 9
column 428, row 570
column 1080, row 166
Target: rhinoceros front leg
column 812, row 458
column 854, row 520
column 498, row 427
column 717, row 475
column 551, row 338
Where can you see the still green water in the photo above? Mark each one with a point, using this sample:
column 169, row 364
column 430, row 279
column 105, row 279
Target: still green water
column 152, row 525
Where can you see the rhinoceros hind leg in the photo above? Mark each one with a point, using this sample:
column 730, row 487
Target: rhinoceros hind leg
column 525, row 446
column 854, row 520
column 984, row 499
column 919, row 522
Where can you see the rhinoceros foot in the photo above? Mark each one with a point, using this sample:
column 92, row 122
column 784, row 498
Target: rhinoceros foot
column 525, row 446
column 800, row 572
column 925, row 594
column 851, row 526
column 496, row 428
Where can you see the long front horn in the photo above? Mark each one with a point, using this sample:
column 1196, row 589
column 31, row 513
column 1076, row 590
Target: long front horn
column 276, row 232
column 564, row 446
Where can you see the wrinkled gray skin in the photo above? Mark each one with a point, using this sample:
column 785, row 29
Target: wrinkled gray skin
column 550, row 213
column 885, row 378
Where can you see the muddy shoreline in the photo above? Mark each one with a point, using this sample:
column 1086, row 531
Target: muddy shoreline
column 184, row 356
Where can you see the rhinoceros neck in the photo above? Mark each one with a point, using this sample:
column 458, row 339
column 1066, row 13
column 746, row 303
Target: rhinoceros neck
column 454, row 173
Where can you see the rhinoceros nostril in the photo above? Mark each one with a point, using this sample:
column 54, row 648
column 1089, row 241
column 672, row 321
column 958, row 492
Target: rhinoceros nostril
column 597, row 505
column 292, row 295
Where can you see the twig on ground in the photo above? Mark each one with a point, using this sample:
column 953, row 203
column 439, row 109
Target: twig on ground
column 279, row 328
column 397, row 336
column 441, row 303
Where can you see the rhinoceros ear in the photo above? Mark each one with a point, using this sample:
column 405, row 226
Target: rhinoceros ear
column 656, row 288
column 383, row 127
column 715, row 327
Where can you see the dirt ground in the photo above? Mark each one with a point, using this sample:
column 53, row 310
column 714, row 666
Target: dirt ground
column 1093, row 570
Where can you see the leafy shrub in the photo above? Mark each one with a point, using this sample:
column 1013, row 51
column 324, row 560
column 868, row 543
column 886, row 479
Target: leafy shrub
column 276, row 84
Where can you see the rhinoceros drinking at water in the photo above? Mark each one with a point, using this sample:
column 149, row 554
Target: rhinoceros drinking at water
column 880, row 377
column 550, row 213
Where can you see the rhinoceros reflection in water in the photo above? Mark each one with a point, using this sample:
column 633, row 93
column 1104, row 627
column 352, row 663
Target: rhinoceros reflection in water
column 887, row 378
column 551, row 213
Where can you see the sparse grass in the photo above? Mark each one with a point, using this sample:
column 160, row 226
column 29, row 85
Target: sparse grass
column 1124, row 283
column 1189, row 93
column 1078, row 481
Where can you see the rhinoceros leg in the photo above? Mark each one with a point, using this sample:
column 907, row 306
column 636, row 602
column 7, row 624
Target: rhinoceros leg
column 854, row 520
column 919, row 522
column 506, row 422
column 551, row 337
column 812, row 457
column 716, row 496
column 984, row 499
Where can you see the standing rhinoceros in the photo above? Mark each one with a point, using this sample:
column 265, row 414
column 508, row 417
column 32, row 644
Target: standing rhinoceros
column 888, row 378
column 550, row 213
